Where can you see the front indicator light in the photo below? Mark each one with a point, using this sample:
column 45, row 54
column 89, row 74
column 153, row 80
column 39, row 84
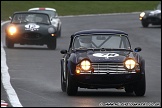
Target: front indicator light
column 85, row 65
column 77, row 70
column 130, row 64
column 140, row 18
column 12, row 30
column 53, row 35
column 137, row 70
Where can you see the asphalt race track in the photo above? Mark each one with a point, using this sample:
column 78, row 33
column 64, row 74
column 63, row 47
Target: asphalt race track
column 35, row 72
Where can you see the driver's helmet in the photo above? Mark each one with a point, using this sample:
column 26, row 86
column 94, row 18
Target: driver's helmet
column 85, row 41
column 30, row 18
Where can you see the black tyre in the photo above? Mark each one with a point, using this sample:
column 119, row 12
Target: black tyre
column 140, row 86
column 145, row 24
column 63, row 83
column 59, row 33
column 71, row 86
column 128, row 89
column 52, row 44
column 9, row 43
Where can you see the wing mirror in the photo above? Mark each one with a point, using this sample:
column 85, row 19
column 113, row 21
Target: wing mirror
column 10, row 18
column 137, row 49
column 52, row 18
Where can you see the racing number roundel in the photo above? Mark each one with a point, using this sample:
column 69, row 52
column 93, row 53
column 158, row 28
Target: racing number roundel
column 106, row 55
column 31, row 27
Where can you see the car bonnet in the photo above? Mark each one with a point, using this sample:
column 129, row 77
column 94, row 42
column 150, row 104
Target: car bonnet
column 103, row 56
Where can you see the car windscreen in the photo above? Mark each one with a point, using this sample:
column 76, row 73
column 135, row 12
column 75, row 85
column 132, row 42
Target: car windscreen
column 28, row 17
column 101, row 41
column 49, row 12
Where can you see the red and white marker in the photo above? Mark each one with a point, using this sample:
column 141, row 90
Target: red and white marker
column 3, row 103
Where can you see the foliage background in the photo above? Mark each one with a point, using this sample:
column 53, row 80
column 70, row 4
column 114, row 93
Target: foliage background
column 78, row 7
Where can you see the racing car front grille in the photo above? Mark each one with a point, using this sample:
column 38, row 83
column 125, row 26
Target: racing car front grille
column 108, row 68
column 32, row 36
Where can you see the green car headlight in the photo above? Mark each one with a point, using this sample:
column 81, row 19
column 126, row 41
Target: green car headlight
column 12, row 30
column 142, row 15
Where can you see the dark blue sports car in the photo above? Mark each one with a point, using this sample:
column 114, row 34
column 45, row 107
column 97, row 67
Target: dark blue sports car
column 102, row 58
column 30, row 28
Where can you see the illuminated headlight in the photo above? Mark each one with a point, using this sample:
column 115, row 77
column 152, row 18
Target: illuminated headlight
column 130, row 64
column 12, row 30
column 85, row 65
column 142, row 15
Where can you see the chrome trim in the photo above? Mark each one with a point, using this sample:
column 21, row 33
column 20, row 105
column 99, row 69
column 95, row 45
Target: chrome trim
column 108, row 68
column 106, row 73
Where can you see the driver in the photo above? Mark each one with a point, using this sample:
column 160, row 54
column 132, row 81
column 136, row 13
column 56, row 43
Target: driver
column 85, row 41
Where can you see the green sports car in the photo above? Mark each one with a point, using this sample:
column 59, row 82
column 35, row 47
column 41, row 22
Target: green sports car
column 151, row 16
column 30, row 28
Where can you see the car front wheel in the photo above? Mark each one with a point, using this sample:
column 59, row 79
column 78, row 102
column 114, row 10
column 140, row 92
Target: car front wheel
column 59, row 33
column 140, row 86
column 9, row 43
column 128, row 89
column 52, row 44
column 63, row 84
column 71, row 86
column 145, row 24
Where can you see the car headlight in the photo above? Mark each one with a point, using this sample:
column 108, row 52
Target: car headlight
column 52, row 30
column 142, row 15
column 12, row 30
column 84, row 65
column 130, row 64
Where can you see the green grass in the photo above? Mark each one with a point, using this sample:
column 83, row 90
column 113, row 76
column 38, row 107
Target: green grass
column 78, row 7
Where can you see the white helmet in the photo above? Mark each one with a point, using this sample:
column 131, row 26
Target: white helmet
column 85, row 41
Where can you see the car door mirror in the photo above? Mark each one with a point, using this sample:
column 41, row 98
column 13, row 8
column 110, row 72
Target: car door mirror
column 10, row 18
column 52, row 18
column 137, row 49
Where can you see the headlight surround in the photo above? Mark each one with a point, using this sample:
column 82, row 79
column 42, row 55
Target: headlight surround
column 130, row 64
column 12, row 30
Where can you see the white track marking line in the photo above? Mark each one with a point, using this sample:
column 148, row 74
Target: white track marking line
column 5, row 78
